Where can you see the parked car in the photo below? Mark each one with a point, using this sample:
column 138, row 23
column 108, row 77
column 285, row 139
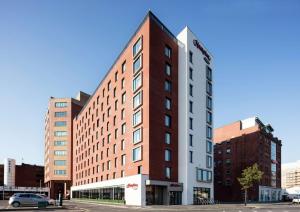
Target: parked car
column 50, row 201
column 26, row 199
column 296, row 200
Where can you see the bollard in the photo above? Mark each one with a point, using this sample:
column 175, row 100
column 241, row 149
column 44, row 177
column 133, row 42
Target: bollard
column 60, row 200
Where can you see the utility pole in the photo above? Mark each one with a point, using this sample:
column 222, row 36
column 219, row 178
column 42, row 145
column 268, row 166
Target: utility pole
column 40, row 186
column 3, row 192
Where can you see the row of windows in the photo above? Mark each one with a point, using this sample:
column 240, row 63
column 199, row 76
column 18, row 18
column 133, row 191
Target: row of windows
column 60, row 162
column 60, row 172
column 60, row 152
column 60, row 114
column 60, row 133
column 61, row 104
column 60, row 123
column 60, row 143
column 204, row 175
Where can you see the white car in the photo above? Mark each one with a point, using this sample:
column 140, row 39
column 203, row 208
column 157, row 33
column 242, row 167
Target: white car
column 296, row 200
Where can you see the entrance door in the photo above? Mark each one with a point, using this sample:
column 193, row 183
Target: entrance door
column 175, row 197
column 155, row 195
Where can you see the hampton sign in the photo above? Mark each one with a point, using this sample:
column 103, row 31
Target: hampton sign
column 198, row 45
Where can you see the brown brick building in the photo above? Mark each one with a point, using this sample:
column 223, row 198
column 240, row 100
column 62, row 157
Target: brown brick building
column 240, row 145
column 28, row 175
column 1, row 174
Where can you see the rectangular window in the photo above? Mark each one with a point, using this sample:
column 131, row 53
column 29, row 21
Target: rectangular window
column 60, row 143
column 137, row 82
column 123, row 66
column 168, row 104
column 191, row 56
column 208, row 73
column 168, row 172
column 123, row 97
column 191, row 73
column 191, row 90
column 209, row 147
column 123, row 83
column 60, row 133
column 60, row 114
column 137, row 136
column 137, row 100
column 209, row 88
column 123, row 128
column 208, row 161
column 191, row 106
column 60, row 172
column 208, row 117
column 191, row 123
column 167, row 121
column 122, row 114
column 137, row 64
column 208, row 132
column 61, row 104
column 204, row 175
column 208, row 102
column 167, row 155
column 137, row 118
column 137, row 154
column 168, row 138
column 191, row 156
column 60, row 123
column 168, row 69
column 168, row 51
column 168, row 86
column 60, row 152
column 191, row 140
column 137, row 47
column 60, row 162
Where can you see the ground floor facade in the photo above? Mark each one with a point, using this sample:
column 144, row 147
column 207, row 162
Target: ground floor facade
column 269, row 194
column 139, row 190
column 57, row 187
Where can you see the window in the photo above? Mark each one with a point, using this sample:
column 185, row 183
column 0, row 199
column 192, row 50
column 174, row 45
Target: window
column 61, row 104
column 60, row 152
column 168, row 51
column 137, row 64
column 137, row 47
column 209, row 88
column 60, row 143
column 60, row 114
column 168, row 104
column 208, row 117
column 123, row 97
column 168, row 138
column 123, row 128
column 191, row 156
column 228, row 150
column 204, row 175
column 123, row 66
column 122, row 173
column 191, row 123
column 191, row 106
column 168, row 86
column 168, row 69
column 208, row 161
column 137, row 154
column 208, row 73
column 109, row 85
column 60, row 123
column 167, row 155
column 139, row 169
column 208, row 132
column 137, row 118
column 122, row 144
column 60, row 172
column 60, row 162
column 167, row 121
column 191, row 56
column 137, row 82
column 123, row 83
column 208, row 102
column 137, row 136
column 168, row 172
column 191, row 139
column 209, row 147
column 191, row 73
column 137, row 100
column 191, row 90
column 60, row 133
column 122, row 114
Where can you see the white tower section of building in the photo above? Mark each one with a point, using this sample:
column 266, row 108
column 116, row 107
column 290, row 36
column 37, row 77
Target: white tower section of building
column 9, row 171
column 195, row 119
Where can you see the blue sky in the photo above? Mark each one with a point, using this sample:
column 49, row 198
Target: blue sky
column 58, row 47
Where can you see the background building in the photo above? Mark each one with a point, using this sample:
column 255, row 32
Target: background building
column 127, row 143
column 240, row 145
column 291, row 174
column 58, row 142
column 21, row 178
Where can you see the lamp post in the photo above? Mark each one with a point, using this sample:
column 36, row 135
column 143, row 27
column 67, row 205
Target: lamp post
column 40, row 186
column 3, row 192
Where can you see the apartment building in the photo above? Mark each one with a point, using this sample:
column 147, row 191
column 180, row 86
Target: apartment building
column 240, row 145
column 145, row 135
column 59, row 142
column 291, row 175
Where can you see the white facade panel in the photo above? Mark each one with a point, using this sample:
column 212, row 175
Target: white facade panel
column 187, row 169
column 9, row 171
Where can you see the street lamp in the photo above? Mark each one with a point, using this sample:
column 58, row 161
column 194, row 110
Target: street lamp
column 3, row 191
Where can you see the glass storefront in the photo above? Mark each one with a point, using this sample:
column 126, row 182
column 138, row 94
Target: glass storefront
column 110, row 193
column 155, row 194
column 201, row 195
column 175, row 197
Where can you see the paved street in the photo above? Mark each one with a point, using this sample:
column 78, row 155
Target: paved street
column 85, row 207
